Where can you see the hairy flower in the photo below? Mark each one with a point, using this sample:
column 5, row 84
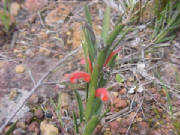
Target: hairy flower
column 79, row 75
column 111, row 55
column 102, row 93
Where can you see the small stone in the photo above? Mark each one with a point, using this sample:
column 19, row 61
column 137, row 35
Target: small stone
column 19, row 132
column 114, row 125
column 34, row 125
column 48, row 114
column 14, row 8
column 21, row 125
column 121, row 103
column 132, row 90
column 34, row 99
column 39, row 114
column 13, row 94
column 134, row 104
column 28, row 117
column 153, row 90
column 115, row 94
column 123, row 91
column 48, row 129
column 64, row 99
column 139, row 119
column 20, row 69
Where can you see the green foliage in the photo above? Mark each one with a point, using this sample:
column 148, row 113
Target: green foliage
column 167, row 21
column 91, row 115
column 119, row 79
column 57, row 107
column 5, row 17
column 80, row 105
column 106, row 22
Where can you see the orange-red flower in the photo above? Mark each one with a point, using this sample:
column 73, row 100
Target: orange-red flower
column 102, row 93
column 79, row 75
column 111, row 55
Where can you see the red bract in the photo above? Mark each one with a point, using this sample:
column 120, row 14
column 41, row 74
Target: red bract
column 79, row 75
column 102, row 93
column 90, row 65
column 111, row 55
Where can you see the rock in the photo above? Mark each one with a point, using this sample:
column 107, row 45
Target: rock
column 115, row 94
column 21, row 125
column 48, row 129
column 20, row 69
column 114, row 125
column 119, row 103
column 34, row 99
column 19, row 132
column 34, row 125
column 34, row 5
column 123, row 91
column 45, row 51
column 58, row 14
column 48, row 114
column 14, row 8
column 134, row 104
column 153, row 90
column 39, row 114
column 28, row 117
column 64, row 99
column 13, row 94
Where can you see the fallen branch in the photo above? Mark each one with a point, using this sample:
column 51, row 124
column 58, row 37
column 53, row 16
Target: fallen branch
column 39, row 83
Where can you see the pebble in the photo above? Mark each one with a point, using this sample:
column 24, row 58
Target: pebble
column 19, row 131
column 48, row 114
column 134, row 104
column 34, row 99
column 34, row 125
column 20, row 69
column 39, row 114
column 48, row 129
column 21, row 124
column 123, row 91
column 28, row 117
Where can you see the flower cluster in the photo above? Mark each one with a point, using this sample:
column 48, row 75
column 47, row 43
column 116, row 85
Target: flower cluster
column 101, row 93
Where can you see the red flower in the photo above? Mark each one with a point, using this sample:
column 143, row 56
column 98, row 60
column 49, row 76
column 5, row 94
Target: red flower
column 102, row 93
column 79, row 75
column 111, row 55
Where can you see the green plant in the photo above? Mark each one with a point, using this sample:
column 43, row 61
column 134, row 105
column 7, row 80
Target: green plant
column 5, row 17
column 166, row 22
column 99, row 57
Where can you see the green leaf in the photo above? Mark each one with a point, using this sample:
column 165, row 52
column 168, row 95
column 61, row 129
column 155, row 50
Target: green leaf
column 80, row 105
column 113, row 35
column 106, row 22
column 119, row 79
column 97, row 106
column 88, row 15
column 75, row 123
column 91, row 125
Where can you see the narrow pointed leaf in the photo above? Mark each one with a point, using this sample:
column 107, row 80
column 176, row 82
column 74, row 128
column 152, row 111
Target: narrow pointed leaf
column 91, row 125
column 80, row 105
column 106, row 23
column 88, row 15
column 75, row 123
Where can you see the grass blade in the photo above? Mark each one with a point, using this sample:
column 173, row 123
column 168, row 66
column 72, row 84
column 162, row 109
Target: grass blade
column 91, row 125
column 106, row 22
column 80, row 105
column 75, row 123
column 88, row 15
